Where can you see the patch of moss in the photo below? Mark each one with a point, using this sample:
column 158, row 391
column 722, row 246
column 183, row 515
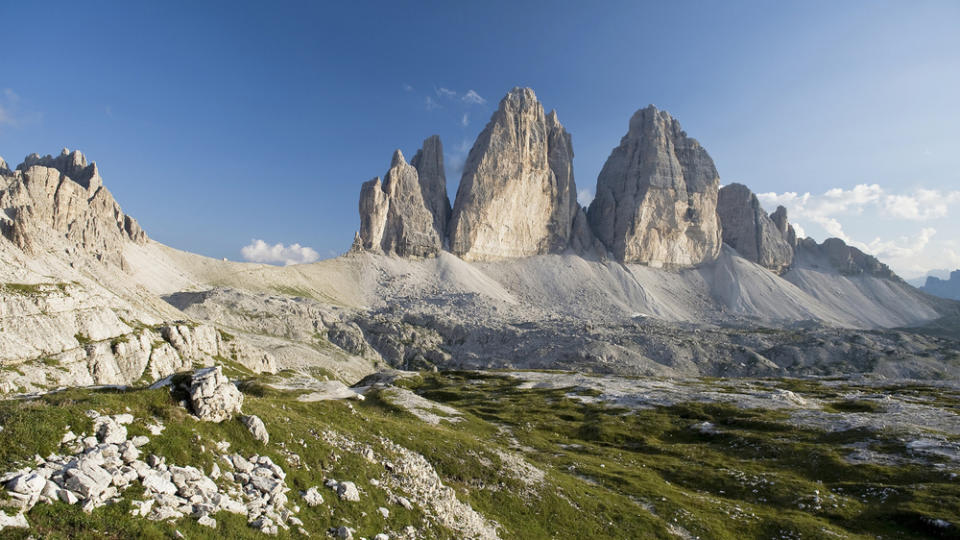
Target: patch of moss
column 853, row 406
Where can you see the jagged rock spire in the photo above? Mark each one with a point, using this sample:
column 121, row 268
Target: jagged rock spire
column 517, row 196
column 395, row 217
column 72, row 164
column 433, row 182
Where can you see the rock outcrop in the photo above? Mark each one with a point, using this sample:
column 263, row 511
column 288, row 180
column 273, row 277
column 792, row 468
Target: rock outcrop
column 65, row 196
column 517, row 196
column 748, row 229
column 213, row 397
column 394, row 216
column 779, row 217
column 846, row 259
column 656, row 196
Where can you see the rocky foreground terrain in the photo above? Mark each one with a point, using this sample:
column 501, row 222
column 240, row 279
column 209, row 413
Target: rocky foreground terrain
column 670, row 362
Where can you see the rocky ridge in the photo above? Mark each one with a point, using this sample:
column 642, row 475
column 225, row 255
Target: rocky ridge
column 65, row 196
column 944, row 288
column 755, row 235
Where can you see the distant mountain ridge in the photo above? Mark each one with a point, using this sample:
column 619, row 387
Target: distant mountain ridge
column 944, row 288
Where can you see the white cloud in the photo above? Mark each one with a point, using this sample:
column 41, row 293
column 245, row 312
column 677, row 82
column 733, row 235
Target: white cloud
column 584, row 197
column 892, row 218
column 445, row 92
column 797, row 228
column 262, row 252
column 902, row 247
column 922, row 205
column 465, row 121
column 473, row 98
column 407, row 88
column 432, row 104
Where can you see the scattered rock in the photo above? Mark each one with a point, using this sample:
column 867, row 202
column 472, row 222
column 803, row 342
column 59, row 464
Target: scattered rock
column 97, row 474
column 343, row 532
column 213, row 397
column 256, row 427
column 16, row 521
column 313, row 497
column 347, row 491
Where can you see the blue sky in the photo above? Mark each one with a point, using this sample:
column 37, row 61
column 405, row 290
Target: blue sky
column 222, row 123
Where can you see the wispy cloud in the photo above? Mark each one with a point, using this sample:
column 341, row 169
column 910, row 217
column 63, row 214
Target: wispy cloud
column 8, row 104
column 407, row 88
column 432, row 104
column 465, row 120
column 11, row 112
column 473, row 98
column 445, row 92
column 902, row 247
column 893, row 213
column 262, row 252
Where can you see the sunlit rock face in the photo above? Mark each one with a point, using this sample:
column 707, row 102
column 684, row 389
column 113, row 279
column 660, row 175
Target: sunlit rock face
column 400, row 214
column 517, row 196
column 656, row 200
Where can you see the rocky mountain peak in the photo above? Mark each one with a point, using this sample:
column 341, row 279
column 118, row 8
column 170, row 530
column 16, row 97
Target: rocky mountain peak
column 397, row 159
column 72, row 164
column 846, row 259
column 49, row 197
column 748, row 229
column 404, row 214
column 657, row 196
column 945, row 288
column 517, row 196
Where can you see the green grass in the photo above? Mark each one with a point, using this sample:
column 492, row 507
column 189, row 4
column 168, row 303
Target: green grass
column 33, row 289
column 854, row 406
column 609, row 472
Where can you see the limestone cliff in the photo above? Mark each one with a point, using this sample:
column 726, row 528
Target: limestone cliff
column 433, row 183
column 517, row 196
column 656, row 200
column 395, row 216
